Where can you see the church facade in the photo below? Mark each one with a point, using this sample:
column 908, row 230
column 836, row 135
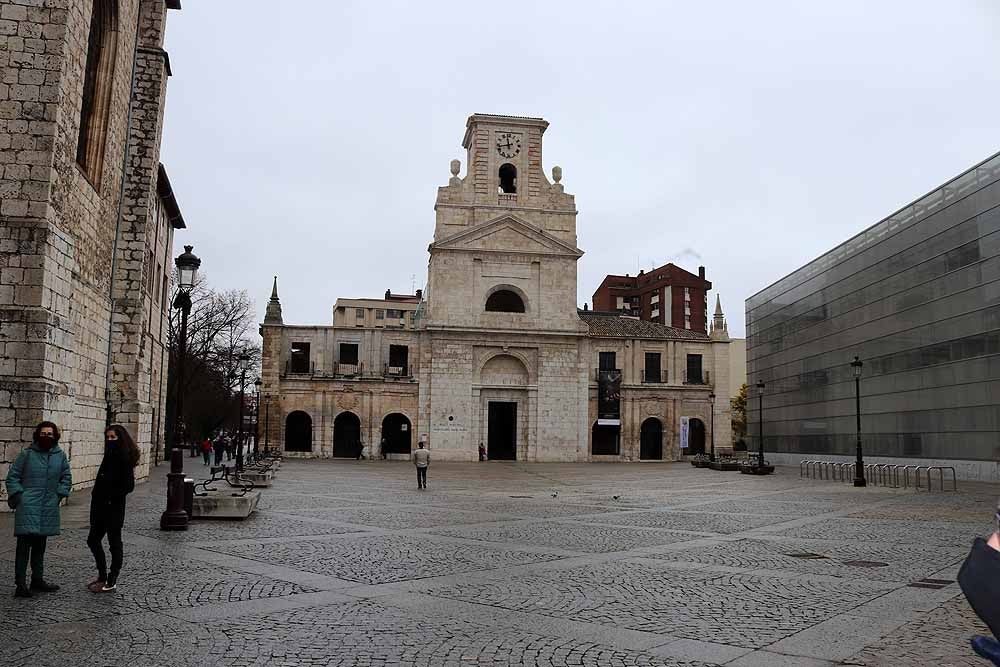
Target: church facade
column 496, row 350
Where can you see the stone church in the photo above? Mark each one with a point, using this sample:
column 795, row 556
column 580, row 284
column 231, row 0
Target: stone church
column 87, row 217
column 495, row 350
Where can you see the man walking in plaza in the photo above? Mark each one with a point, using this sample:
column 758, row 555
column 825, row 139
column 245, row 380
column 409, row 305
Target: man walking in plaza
column 421, row 459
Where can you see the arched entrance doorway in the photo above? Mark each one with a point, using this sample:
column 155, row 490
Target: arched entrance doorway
column 396, row 434
column 505, row 377
column 298, row 432
column 696, row 436
column 651, row 440
column 347, row 435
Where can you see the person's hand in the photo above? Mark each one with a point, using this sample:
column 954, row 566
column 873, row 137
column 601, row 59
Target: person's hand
column 13, row 501
column 994, row 541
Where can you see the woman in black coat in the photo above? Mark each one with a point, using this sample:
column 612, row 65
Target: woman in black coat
column 115, row 480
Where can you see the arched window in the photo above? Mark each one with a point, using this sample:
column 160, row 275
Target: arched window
column 508, row 178
column 97, row 82
column 504, row 301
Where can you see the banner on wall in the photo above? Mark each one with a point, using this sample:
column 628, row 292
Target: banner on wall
column 685, row 424
column 609, row 394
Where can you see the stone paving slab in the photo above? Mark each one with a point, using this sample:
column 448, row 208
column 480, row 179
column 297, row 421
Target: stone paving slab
column 346, row 563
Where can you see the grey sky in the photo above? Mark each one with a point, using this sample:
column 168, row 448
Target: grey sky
column 307, row 138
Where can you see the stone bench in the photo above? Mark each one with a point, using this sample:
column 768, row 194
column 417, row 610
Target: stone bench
column 257, row 478
column 223, row 505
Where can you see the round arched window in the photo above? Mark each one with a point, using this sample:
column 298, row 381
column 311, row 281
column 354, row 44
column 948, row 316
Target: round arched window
column 504, row 301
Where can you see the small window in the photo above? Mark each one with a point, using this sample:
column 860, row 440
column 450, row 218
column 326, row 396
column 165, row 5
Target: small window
column 349, row 353
column 379, row 314
column 300, row 358
column 156, row 290
column 508, row 178
column 148, row 287
column 652, row 370
column 694, row 375
column 95, row 108
column 606, row 361
column 399, row 357
column 504, row 301
column 359, row 312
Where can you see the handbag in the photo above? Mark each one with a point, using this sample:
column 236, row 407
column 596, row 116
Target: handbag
column 979, row 579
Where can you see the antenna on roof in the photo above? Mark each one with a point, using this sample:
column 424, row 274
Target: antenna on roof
column 413, row 283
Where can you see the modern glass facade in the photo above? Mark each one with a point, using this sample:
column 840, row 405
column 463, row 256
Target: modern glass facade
column 917, row 298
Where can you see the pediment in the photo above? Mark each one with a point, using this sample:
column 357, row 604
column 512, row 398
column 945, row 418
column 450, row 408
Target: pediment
column 507, row 234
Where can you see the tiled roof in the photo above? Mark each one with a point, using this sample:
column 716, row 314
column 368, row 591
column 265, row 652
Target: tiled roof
column 613, row 325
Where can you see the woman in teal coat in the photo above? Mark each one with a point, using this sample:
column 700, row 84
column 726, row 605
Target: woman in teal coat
column 37, row 482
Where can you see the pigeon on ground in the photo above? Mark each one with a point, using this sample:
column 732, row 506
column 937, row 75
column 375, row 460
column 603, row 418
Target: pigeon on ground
column 555, row 493
column 616, row 497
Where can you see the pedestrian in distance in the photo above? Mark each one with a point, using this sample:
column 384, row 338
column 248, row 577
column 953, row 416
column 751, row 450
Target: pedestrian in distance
column 220, row 448
column 381, row 449
column 482, row 452
column 421, row 459
column 37, row 482
column 115, row 480
column 206, row 450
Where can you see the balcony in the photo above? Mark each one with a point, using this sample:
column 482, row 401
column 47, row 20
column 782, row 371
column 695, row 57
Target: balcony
column 507, row 199
column 702, row 379
column 299, row 369
column 654, row 377
column 348, row 370
column 598, row 371
column 396, row 371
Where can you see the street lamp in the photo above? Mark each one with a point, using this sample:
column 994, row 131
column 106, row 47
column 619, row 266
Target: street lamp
column 244, row 360
column 711, row 402
column 256, row 418
column 267, row 424
column 175, row 518
column 760, row 425
column 859, row 466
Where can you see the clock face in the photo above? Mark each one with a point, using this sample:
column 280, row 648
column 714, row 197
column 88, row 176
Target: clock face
column 508, row 144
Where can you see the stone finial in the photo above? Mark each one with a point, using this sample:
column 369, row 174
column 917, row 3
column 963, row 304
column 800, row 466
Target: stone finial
column 718, row 306
column 557, row 173
column 273, row 313
column 456, row 166
column 720, row 330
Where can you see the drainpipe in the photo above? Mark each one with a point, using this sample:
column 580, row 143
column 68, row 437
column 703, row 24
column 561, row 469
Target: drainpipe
column 108, row 416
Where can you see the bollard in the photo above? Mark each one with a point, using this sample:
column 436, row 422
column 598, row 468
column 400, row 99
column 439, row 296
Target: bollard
column 188, row 496
column 175, row 518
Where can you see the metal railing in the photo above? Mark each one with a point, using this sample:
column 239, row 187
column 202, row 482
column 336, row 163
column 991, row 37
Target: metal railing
column 506, row 198
column 877, row 474
column 396, row 371
column 654, row 377
column 348, row 370
column 704, row 378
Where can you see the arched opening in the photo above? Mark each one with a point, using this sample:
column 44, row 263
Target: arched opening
column 651, row 440
column 95, row 108
column 347, row 435
column 508, row 178
column 298, row 432
column 396, row 434
column 696, row 436
column 605, row 440
column 504, row 301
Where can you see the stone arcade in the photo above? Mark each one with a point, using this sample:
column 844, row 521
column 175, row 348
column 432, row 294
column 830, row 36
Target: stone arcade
column 496, row 350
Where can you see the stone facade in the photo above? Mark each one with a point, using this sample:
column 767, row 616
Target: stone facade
column 85, row 234
column 497, row 351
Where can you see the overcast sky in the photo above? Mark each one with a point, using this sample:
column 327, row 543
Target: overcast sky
column 307, row 138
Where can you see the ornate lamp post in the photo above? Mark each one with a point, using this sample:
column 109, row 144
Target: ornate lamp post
column 267, row 424
column 175, row 518
column 711, row 401
column 244, row 362
column 760, row 431
column 256, row 417
column 859, row 465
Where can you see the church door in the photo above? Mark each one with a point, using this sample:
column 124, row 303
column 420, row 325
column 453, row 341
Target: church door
column 502, row 436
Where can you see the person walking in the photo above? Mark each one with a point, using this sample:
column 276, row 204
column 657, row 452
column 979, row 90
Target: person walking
column 206, row 450
column 421, row 459
column 37, row 482
column 220, row 448
column 115, row 480
column 482, row 452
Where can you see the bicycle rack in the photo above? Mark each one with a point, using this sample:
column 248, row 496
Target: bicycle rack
column 941, row 469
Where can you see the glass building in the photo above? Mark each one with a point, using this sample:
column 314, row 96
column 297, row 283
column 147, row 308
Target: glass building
column 917, row 298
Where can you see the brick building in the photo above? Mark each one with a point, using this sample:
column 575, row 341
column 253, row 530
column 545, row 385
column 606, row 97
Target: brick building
column 668, row 295
column 495, row 349
column 86, row 223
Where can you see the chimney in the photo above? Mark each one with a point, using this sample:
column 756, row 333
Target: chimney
column 701, row 272
column 585, row 305
column 388, row 294
column 420, row 294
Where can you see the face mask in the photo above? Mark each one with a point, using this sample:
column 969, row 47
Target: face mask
column 45, row 442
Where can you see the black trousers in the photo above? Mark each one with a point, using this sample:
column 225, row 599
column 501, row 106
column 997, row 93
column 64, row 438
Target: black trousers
column 107, row 518
column 218, row 456
column 422, row 477
column 29, row 547
column 206, row 454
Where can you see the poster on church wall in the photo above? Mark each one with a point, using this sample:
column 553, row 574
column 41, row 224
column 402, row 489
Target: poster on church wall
column 609, row 393
column 685, row 423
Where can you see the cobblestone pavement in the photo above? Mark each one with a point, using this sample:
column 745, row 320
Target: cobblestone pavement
column 346, row 563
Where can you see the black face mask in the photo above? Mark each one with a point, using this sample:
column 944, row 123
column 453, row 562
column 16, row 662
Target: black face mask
column 46, row 442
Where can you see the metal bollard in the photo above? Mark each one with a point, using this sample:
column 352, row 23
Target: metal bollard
column 188, row 496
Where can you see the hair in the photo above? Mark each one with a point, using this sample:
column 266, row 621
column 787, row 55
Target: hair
column 128, row 444
column 55, row 430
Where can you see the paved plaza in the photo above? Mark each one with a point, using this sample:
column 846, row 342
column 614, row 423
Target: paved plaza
column 347, row 563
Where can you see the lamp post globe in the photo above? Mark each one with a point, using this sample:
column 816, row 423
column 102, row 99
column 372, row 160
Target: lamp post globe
column 187, row 268
column 859, row 464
